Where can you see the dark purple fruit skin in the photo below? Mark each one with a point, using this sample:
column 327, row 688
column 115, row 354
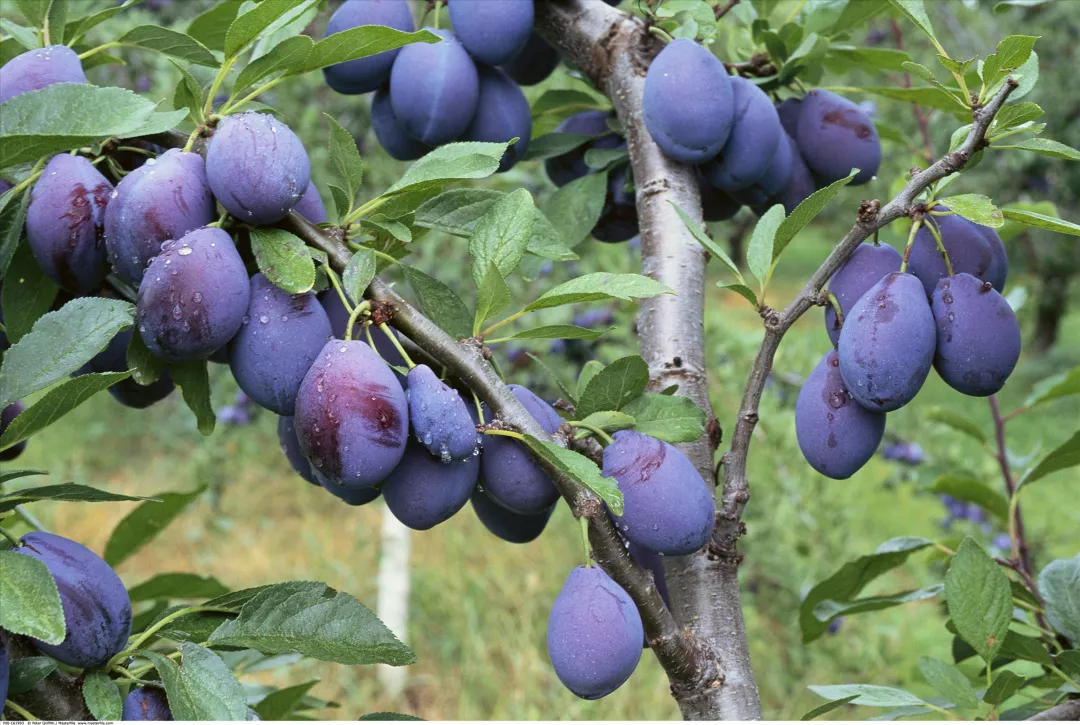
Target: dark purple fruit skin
column 194, row 296
column 837, row 436
column 801, row 183
column 434, row 89
column 351, row 496
column 502, row 113
column 274, row 348
column 5, row 671
column 668, row 507
column 978, row 337
column 509, row 526
column 352, row 418
column 774, row 181
column 311, row 205
column 716, row 204
column 512, row 477
column 339, row 320
column 6, row 416
column 887, row 343
column 257, row 167
column 439, row 416
column 127, row 392
column 536, row 61
column 618, row 220
column 366, row 74
column 493, row 33
column 161, row 200
column 65, row 223
column 688, row 102
column 290, row 446
column 788, row 113
column 146, row 703
column 653, row 562
column 971, row 250
column 36, row 69
column 97, row 610
column 836, row 136
column 863, row 269
column 594, row 634
column 567, row 167
column 422, row 491
column 390, row 134
column 755, row 135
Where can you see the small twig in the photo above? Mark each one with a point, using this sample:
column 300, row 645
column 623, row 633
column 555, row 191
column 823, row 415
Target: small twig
column 1069, row 710
column 721, row 10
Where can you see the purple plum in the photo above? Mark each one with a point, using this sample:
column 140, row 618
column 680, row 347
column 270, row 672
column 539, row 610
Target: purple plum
column 9, row 414
column 423, row 491
column 371, row 73
column 502, row 113
column 127, row 392
column 716, row 204
column 311, row 205
column 536, row 61
column 351, row 496
column 493, row 33
column 755, row 135
column 972, row 248
column 564, row 168
column 146, row 703
column 866, row 266
column 38, row 68
column 439, row 416
column 507, row 525
column 434, row 89
column 511, row 476
column 390, row 134
column 836, row 136
column 290, row 446
column 618, row 220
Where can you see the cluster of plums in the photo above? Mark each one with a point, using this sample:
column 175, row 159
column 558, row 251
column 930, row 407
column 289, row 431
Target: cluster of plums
column 895, row 327
column 748, row 151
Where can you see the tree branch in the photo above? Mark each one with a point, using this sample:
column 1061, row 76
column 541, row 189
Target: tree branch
column 872, row 217
column 614, row 50
column 1066, row 711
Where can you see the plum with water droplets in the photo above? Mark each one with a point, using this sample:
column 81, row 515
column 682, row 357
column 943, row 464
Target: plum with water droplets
column 511, row 475
column 351, row 496
column 290, row 446
column 127, row 392
column 439, row 416
column 423, row 490
column 972, row 248
column 39, row 68
column 867, row 265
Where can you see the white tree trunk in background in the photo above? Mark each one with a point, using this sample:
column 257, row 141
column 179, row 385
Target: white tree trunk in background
column 392, row 604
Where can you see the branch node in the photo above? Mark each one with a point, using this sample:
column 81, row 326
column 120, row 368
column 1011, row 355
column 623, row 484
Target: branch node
column 382, row 312
column 868, row 210
column 715, row 432
column 590, row 508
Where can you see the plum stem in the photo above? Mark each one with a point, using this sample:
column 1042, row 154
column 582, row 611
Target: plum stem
column 661, row 33
column 15, row 541
column 500, row 323
column 223, row 71
column 934, row 230
column 835, row 304
column 332, row 276
column 583, row 522
column 397, row 343
column 479, row 406
column 595, row 430
column 506, row 433
column 150, row 631
column 25, row 715
column 907, row 247
column 106, row 46
column 34, row 174
column 353, row 316
column 438, row 10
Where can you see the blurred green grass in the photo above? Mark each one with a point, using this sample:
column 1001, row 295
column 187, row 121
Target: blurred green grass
column 479, row 606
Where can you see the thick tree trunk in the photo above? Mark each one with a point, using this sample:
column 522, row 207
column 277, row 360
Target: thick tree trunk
column 615, row 50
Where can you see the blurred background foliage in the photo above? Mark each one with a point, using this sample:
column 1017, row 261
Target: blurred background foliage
column 479, row 606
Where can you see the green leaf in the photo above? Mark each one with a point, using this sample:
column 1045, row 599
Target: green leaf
column 759, row 254
column 1041, row 221
column 868, row 695
column 75, row 29
column 850, row 579
column 27, row 38
column 599, row 286
column 211, row 26
column 61, row 492
column 27, row 295
column 9, row 474
column 743, row 291
column 1068, row 661
column 311, row 618
column 851, row 57
column 60, row 343
column 202, row 687
column 1012, row 52
column 979, row 599
column 188, row 94
column 805, row 212
column 703, row 239
column 284, row 259
column 169, row 42
column 492, row 297
column 928, row 96
column 555, row 144
column 64, row 116
column 358, row 273
column 915, row 11
column 281, row 704
column 247, row 27
column 1046, row 147
column 603, row 158
column 956, row 421
column 361, row 42
column 828, row 707
column 287, row 56
column 462, row 160
column 582, row 470
column 102, row 696
column 606, row 420
column 55, row 404
column 145, row 522
column 440, row 304
column 588, row 371
column 1054, row 387
column 501, row 236
column 29, row 601
column 1059, row 584
column 388, row 228
column 574, row 209
column 345, row 157
column 147, row 367
column 828, row 610
column 1003, row 687
column 975, row 207
column 194, row 383
column 1064, row 456
column 671, row 418
column 565, row 101
column 614, row 386
column 291, row 24
column 177, row 586
column 12, row 218
column 949, row 681
column 920, row 70
column 26, row 672
column 959, row 67
column 971, row 490
column 560, row 332
column 1025, row 648
column 1016, row 115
